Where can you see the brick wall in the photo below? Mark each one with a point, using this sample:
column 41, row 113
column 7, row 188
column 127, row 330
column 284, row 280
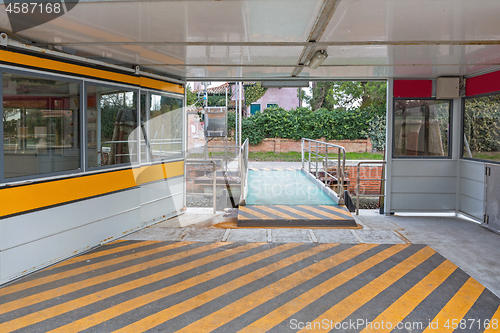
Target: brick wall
column 366, row 172
column 278, row 145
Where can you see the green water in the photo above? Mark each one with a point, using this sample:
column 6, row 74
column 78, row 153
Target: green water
column 286, row 187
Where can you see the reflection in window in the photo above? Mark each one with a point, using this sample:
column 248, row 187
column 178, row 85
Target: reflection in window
column 421, row 127
column 111, row 124
column 482, row 128
column 165, row 127
column 40, row 125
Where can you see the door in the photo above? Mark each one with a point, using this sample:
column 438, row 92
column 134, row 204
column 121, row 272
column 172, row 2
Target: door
column 492, row 197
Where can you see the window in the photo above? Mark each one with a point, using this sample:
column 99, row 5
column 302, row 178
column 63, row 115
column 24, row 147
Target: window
column 272, row 105
column 421, row 128
column 41, row 119
column 254, row 108
column 165, row 127
column 482, row 128
column 111, row 126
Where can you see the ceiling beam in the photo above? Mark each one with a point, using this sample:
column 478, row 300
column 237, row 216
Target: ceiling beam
column 304, row 44
column 324, row 16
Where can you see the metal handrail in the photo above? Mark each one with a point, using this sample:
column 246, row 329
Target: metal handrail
column 243, row 162
column 214, row 179
column 340, row 162
column 358, row 180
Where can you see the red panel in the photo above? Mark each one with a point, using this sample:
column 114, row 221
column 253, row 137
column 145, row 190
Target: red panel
column 483, row 84
column 413, row 88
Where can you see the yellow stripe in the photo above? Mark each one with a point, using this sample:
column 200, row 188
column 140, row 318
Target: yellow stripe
column 254, row 213
column 312, row 209
column 57, row 310
column 496, row 317
column 102, row 253
column 278, row 213
column 338, row 210
column 458, row 306
column 43, row 296
column 298, row 212
column 275, row 317
column 178, row 309
column 398, row 310
column 142, row 300
column 34, row 196
column 80, row 270
column 348, row 305
column 247, row 303
column 241, row 217
column 48, row 64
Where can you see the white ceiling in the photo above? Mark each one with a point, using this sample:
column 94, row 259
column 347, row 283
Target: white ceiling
column 273, row 39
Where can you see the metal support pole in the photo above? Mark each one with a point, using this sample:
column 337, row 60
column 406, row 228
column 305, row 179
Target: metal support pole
column 241, row 112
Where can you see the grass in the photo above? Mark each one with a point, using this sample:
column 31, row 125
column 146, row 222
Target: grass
column 294, row 156
column 492, row 156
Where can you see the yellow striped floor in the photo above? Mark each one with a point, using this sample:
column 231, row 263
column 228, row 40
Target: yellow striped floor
column 297, row 215
column 139, row 286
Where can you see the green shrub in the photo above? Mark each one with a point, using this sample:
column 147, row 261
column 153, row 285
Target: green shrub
column 338, row 124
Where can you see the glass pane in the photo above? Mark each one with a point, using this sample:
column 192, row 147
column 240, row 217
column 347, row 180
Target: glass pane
column 143, row 129
column 482, row 128
column 165, row 127
column 111, row 126
column 421, row 127
column 40, row 125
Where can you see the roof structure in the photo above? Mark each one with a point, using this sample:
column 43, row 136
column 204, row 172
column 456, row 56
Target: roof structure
column 275, row 39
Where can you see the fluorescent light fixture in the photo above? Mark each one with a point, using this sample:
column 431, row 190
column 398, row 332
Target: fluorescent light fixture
column 281, row 84
column 317, row 59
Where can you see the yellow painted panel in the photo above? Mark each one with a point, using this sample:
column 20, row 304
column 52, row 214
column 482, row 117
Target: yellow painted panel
column 34, row 196
column 42, row 63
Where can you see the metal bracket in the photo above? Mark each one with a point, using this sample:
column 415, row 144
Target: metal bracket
column 486, row 218
column 488, row 171
column 4, row 39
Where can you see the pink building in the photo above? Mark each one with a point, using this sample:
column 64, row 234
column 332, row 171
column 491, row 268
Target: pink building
column 285, row 98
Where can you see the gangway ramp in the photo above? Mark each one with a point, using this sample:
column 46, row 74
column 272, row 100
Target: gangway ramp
column 287, row 197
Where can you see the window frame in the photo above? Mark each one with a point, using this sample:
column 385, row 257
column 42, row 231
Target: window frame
column 272, row 105
column 42, row 176
column 104, row 84
column 450, row 132
column 150, row 92
column 260, row 107
column 462, row 129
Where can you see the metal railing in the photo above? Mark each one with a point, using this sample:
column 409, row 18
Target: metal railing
column 358, row 180
column 214, row 178
column 243, row 164
column 321, row 162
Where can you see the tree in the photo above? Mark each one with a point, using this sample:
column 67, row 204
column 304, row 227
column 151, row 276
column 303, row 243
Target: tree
column 348, row 94
column 191, row 97
column 319, row 92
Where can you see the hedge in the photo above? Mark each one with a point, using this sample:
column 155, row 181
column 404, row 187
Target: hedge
column 300, row 123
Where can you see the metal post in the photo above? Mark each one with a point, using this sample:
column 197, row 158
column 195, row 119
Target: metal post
column 309, row 153
column 317, row 151
column 241, row 111
column 339, row 176
column 357, row 190
column 326, row 165
column 214, row 188
column 302, row 152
